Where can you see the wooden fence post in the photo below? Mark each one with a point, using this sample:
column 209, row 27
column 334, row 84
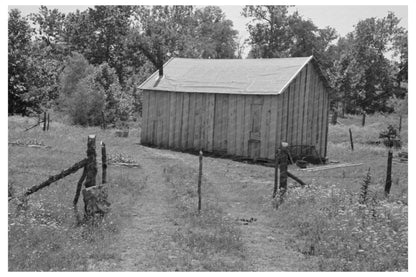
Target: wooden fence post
column 104, row 163
column 363, row 120
column 47, row 126
column 199, row 181
column 351, row 141
column 388, row 177
column 276, row 173
column 44, row 121
column 283, row 167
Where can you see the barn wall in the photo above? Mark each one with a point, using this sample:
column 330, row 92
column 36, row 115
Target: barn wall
column 239, row 125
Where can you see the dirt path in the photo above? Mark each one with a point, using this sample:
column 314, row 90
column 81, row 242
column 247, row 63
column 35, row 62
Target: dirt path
column 242, row 194
column 149, row 227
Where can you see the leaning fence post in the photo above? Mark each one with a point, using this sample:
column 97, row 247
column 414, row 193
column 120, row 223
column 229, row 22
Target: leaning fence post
column 199, row 181
column 104, row 163
column 44, row 121
column 388, row 176
column 276, row 173
column 352, row 143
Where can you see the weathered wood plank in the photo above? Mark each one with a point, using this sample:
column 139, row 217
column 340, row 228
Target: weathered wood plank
column 311, row 114
column 239, row 141
column 191, row 121
column 315, row 104
column 284, row 125
column 197, row 128
column 301, row 107
column 305, row 104
column 165, row 111
column 265, row 126
column 185, row 118
column 327, row 121
column 247, row 123
column 171, row 118
column 231, row 131
column 295, row 107
column 144, row 133
column 224, row 129
column 279, row 120
column 271, row 147
column 179, row 120
column 210, row 126
column 290, row 111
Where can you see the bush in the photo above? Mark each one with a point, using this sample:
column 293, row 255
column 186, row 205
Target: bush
column 87, row 91
column 86, row 104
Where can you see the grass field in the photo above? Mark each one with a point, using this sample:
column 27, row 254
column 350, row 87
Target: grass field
column 153, row 224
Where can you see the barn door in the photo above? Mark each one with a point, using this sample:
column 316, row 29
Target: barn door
column 254, row 139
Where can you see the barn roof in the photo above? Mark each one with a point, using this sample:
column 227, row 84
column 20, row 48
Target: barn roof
column 232, row 76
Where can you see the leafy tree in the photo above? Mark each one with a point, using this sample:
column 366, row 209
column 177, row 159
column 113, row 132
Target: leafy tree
column 269, row 31
column 216, row 34
column 19, row 34
column 274, row 33
column 363, row 73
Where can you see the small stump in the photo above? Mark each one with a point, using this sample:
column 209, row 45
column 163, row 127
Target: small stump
column 95, row 201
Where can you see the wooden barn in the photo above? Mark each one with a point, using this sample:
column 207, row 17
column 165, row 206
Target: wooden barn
column 237, row 107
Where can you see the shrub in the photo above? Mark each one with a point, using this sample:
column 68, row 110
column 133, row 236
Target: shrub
column 87, row 91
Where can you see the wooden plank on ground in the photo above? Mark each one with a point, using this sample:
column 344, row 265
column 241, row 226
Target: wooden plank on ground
column 328, row 167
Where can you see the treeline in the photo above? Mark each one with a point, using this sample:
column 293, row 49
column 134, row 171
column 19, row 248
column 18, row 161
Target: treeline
column 90, row 62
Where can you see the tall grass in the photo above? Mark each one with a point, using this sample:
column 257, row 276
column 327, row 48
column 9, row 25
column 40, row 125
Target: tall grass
column 345, row 233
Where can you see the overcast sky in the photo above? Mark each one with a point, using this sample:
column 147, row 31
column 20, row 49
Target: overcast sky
column 342, row 18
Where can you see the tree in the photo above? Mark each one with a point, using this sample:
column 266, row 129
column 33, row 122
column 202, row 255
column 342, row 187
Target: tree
column 363, row 73
column 275, row 33
column 269, row 31
column 216, row 34
column 19, row 34
column 162, row 31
